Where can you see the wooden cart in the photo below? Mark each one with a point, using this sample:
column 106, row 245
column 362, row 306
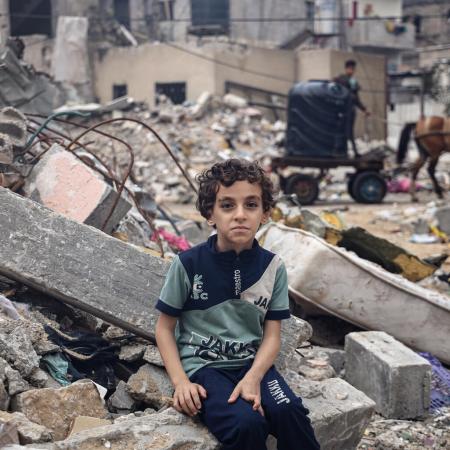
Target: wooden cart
column 366, row 184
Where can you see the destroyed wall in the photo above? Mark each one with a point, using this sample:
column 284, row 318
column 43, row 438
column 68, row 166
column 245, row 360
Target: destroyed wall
column 38, row 52
column 141, row 67
column 263, row 68
column 325, row 64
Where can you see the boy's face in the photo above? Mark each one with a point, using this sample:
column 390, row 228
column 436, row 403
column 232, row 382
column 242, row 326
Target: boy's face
column 237, row 214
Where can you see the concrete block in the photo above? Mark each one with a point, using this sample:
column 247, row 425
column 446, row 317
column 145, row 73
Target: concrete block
column 390, row 373
column 63, row 183
column 79, row 265
column 339, row 413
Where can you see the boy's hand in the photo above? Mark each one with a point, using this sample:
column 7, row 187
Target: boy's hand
column 186, row 397
column 250, row 390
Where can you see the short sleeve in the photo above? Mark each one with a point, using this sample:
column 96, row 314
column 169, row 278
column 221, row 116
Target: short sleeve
column 175, row 290
column 279, row 304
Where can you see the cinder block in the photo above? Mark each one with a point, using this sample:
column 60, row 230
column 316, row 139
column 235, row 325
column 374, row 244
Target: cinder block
column 390, row 373
column 64, row 184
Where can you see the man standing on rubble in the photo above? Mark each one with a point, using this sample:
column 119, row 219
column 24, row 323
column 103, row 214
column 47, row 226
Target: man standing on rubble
column 348, row 80
column 224, row 301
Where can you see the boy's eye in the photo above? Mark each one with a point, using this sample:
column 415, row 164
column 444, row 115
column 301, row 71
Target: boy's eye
column 252, row 205
column 226, row 205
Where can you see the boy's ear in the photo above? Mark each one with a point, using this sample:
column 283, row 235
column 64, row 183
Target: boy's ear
column 265, row 217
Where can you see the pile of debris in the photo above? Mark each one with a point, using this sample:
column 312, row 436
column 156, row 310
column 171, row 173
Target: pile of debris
column 83, row 259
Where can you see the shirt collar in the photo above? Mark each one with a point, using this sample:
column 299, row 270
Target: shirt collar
column 231, row 255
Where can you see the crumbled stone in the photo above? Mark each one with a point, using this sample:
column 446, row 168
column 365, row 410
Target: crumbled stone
column 121, row 401
column 150, row 385
column 131, row 352
column 56, row 408
column 153, row 356
column 29, row 432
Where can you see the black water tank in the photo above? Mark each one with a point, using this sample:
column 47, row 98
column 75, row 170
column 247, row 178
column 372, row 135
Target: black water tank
column 318, row 115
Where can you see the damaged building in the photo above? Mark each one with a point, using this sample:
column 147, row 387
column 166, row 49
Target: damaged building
column 109, row 109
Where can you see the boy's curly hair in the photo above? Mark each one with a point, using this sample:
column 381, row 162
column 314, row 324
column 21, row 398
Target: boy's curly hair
column 227, row 173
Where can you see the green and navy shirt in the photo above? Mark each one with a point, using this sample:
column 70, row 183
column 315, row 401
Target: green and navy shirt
column 221, row 300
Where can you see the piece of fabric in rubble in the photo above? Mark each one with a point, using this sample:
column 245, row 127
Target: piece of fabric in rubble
column 89, row 355
column 7, row 308
column 57, row 366
column 440, row 383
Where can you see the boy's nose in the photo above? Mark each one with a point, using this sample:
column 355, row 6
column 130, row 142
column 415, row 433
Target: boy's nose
column 240, row 213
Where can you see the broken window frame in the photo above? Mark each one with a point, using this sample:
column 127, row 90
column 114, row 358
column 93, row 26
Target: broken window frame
column 119, row 90
column 122, row 13
column 168, row 89
column 166, row 10
column 29, row 17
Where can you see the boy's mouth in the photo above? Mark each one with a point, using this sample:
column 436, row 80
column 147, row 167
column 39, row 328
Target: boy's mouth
column 240, row 228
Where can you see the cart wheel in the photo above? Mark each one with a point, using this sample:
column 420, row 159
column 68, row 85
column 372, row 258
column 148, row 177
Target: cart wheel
column 368, row 187
column 305, row 186
column 351, row 180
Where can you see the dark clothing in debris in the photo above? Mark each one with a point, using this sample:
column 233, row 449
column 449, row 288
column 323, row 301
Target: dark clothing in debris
column 353, row 86
column 239, row 427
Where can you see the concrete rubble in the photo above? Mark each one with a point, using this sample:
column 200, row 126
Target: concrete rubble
column 66, row 185
column 97, row 289
column 121, row 293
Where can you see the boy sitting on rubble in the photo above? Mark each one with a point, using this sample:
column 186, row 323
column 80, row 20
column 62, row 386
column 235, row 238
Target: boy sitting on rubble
column 229, row 296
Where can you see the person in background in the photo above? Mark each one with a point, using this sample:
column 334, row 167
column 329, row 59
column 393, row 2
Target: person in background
column 348, row 80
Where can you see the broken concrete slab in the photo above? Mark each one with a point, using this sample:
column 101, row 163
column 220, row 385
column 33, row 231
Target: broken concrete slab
column 66, row 185
column 151, row 385
column 79, row 265
column 234, row 101
column 56, row 408
column 201, row 105
column 28, row 431
column 339, row 413
column 22, row 87
column 391, row 374
column 294, row 332
column 162, row 431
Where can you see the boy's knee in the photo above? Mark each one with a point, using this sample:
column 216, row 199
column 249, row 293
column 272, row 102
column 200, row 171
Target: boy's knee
column 251, row 423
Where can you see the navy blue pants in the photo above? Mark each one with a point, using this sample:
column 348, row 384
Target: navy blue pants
column 238, row 427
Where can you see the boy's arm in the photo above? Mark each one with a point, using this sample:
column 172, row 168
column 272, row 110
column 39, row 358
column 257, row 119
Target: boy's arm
column 249, row 388
column 187, row 395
